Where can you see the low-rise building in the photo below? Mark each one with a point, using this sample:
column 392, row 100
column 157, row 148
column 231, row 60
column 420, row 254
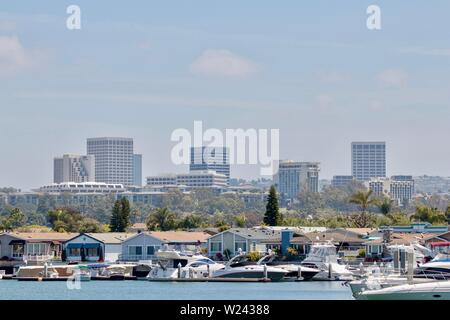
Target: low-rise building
column 144, row 245
column 17, row 248
column 193, row 179
column 95, row 247
column 85, row 187
column 340, row 181
column 229, row 242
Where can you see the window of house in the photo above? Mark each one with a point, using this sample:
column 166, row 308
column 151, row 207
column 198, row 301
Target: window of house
column 17, row 250
column 92, row 252
column 135, row 250
column 36, row 248
column 240, row 245
column 152, row 249
column 216, row 246
column 74, row 252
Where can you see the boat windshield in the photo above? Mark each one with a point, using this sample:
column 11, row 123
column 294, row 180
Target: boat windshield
column 323, row 251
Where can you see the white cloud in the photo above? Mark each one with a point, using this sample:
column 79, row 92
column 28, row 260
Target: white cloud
column 223, row 63
column 393, row 78
column 13, row 56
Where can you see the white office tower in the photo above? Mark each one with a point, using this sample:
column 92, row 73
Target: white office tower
column 114, row 159
column 368, row 160
column 210, row 158
column 294, row 177
column 74, row 168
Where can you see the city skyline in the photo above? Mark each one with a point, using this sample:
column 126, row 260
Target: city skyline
column 143, row 71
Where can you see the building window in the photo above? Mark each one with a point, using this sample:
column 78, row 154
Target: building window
column 92, row 252
column 151, row 250
column 135, row 250
column 17, row 250
column 216, row 246
column 74, row 252
column 240, row 245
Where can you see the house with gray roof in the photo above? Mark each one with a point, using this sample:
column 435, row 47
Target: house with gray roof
column 258, row 239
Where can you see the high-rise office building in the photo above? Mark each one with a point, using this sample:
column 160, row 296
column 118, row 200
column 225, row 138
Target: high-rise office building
column 137, row 169
column 294, row 177
column 210, row 158
column 114, row 160
column 368, row 160
column 74, row 168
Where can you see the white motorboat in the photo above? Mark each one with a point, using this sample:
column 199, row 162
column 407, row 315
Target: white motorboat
column 437, row 269
column 323, row 257
column 176, row 264
column 376, row 278
column 294, row 271
column 241, row 267
column 436, row 290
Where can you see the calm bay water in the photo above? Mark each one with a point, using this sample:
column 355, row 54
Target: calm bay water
column 145, row 290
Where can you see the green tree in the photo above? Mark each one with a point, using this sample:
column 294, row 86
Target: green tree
column 161, row 219
column 272, row 216
column 16, row 219
column 427, row 214
column 385, row 205
column 364, row 200
column 191, row 221
column 240, row 221
column 120, row 218
column 70, row 220
column 125, row 214
column 115, row 224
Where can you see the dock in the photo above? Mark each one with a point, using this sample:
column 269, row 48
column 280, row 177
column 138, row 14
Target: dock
column 210, row 279
column 41, row 279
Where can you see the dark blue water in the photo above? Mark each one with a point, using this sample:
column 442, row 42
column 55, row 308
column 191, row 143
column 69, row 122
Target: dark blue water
column 145, row 290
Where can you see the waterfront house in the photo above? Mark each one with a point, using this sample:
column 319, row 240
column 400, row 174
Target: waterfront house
column 144, row 245
column 18, row 248
column 95, row 247
column 442, row 237
column 375, row 244
column 258, row 239
column 348, row 241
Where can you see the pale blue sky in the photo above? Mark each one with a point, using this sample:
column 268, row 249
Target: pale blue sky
column 310, row 68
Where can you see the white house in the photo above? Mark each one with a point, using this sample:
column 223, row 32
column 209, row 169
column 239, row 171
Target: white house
column 95, row 247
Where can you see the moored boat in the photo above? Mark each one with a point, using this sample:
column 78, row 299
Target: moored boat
column 436, row 290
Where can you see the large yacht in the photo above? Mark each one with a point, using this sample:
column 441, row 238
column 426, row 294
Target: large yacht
column 323, row 257
column 241, row 267
column 437, row 290
column 176, row 264
column 294, row 271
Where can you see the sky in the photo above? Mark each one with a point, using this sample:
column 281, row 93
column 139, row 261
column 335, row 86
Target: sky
column 311, row 69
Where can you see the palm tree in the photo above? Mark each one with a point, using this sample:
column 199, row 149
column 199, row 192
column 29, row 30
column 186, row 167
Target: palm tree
column 385, row 205
column 363, row 200
column 161, row 219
